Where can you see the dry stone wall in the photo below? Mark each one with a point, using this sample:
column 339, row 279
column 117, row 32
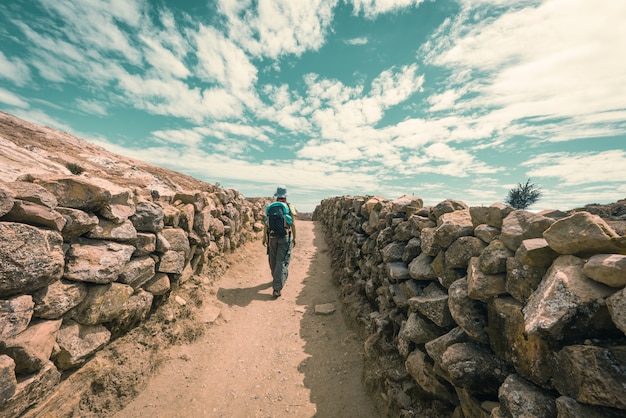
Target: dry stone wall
column 483, row 311
column 83, row 261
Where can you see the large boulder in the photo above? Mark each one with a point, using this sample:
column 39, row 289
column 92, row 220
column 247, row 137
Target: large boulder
column 32, row 348
column 30, row 258
column 451, row 226
column 468, row 313
column 103, row 303
column 475, row 368
column 583, row 234
column 520, row 398
column 566, row 294
column 15, row 315
column 520, row 225
column 55, row 300
column 592, row 375
column 609, row 269
column 78, row 342
column 35, row 214
column 96, row 261
column 76, row 192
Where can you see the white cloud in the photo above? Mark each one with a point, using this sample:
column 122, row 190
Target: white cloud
column 556, row 59
column 571, row 169
column 163, row 60
column 14, row 70
column 372, row 8
column 12, row 99
column 277, row 27
column 91, row 106
column 357, row 41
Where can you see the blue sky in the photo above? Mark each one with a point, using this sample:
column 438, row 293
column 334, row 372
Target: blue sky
column 457, row 99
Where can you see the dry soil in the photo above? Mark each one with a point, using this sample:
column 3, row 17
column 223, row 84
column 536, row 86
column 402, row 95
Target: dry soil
column 262, row 356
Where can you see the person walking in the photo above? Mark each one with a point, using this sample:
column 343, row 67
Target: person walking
column 279, row 236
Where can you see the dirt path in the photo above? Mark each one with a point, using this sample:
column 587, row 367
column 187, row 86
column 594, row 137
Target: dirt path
column 266, row 357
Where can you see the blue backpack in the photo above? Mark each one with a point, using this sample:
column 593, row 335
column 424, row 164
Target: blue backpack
column 278, row 219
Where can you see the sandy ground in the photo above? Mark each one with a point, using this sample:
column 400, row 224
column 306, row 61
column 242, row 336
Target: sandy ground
column 266, row 357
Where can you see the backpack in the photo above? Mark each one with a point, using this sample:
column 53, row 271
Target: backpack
column 278, row 219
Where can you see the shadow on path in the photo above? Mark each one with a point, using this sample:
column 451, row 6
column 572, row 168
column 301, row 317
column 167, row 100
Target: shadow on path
column 242, row 296
column 334, row 370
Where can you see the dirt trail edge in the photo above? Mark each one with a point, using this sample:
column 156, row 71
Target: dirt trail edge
column 266, row 357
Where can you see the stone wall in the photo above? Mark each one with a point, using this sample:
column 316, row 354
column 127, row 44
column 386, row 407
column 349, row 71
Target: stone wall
column 83, row 261
column 483, row 311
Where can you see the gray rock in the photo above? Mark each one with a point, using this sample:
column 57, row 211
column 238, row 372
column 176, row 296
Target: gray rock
column 158, row 285
column 420, row 268
column 411, row 250
column 521, row 279
column 8, row 382
column 433, row 304
column 96, row 261
column 34, row 193
column 138, row 271
column 15, row 315
column 520, row 225
column 445, row 275
column 436, row 347
column 393, row 252
column 429, row 245
column 145, row 244
column 609, row 269
column 451, row 226
column 422, row 371
column 7, row 199
column 462, row 250
column 78, row 342
column 77, row 222
column 397, row 271
column 35, row 214
column 616, row 304
column 32, row 348
column 31, row 390
column 53, row 301
column 569, row 408
column 536, row 252
column 103, row 303
column 582, row 234
column 30, row 258
column 473, row 367
column 481, row 286
column 493, row 259
column 469, row 314
column 448, row 206
column 592, row 375
column 148, row 217
column 520, row 398
column 172, row 262
column 112, row 231
column 76, row 192
column 529, row 354
column 419, row 330
column 565, row 292
column 486, row 233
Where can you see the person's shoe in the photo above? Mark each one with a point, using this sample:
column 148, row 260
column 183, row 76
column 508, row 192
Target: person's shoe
column 276, row 293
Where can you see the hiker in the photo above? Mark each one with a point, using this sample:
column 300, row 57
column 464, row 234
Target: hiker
column 279, row 236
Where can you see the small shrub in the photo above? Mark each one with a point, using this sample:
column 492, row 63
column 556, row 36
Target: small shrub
column 523, row 195
column 74, row 168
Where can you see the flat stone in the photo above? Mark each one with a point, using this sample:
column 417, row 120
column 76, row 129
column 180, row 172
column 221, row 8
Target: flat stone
column 325, row 309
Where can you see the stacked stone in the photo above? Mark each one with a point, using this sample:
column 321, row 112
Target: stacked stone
column 82, row 261
column 483, row 311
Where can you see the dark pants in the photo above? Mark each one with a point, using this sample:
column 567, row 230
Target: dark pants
column 279, row 251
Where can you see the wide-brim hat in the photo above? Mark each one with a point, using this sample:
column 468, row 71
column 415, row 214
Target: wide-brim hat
column 281, row 191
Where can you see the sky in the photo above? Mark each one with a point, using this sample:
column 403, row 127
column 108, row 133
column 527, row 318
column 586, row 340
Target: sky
column 442, row 99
